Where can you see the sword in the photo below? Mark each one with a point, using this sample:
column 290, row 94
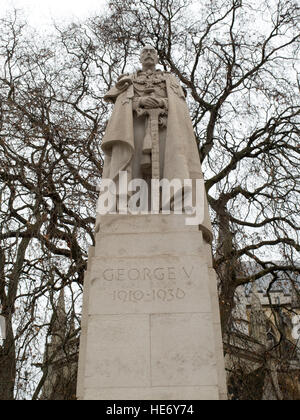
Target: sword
column 151, row 141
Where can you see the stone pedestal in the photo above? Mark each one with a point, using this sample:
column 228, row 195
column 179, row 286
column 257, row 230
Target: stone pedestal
column 151, row 323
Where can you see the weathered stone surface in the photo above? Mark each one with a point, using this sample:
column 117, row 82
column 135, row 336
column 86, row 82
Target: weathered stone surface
column 151, row 327
column 152, row 223
column 179, row 358
column 170, row 243
column 154, row 393
column 118, row 351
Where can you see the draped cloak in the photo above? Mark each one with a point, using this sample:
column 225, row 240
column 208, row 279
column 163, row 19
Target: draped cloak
column 181, row 156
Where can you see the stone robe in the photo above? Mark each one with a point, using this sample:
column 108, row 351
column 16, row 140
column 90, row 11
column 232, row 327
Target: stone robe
column 124, row 137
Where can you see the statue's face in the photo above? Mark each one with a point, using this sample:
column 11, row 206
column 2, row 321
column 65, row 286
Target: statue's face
column 149, row 57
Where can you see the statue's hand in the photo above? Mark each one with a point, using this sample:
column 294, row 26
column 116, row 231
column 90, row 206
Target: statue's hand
column 149, row 102
column 123, row 83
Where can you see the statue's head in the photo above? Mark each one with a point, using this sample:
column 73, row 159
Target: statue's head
column 148, row 57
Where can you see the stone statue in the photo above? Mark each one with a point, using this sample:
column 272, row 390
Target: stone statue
column 149, row 275
column 150, row 133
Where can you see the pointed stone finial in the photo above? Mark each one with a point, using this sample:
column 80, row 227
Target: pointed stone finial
column 295, row 297
column 258, row 321
column 59, row 316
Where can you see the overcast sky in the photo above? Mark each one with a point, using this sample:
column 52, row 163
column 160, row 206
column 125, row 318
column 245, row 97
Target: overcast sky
column 40, row 13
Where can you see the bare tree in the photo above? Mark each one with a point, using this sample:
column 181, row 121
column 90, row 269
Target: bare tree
column 50, row 163
column 239, row 63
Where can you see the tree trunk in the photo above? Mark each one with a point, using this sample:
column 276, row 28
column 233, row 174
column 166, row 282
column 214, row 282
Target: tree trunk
column 7, row 365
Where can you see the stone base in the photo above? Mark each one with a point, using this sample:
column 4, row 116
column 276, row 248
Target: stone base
column 150, row 323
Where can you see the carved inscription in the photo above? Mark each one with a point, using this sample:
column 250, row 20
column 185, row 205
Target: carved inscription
column 145, row 284
column 141, row 274
column 135, row 296
column 166, row 284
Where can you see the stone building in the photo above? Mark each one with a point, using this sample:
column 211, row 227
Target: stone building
column 61, row 356
column 262, row 354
